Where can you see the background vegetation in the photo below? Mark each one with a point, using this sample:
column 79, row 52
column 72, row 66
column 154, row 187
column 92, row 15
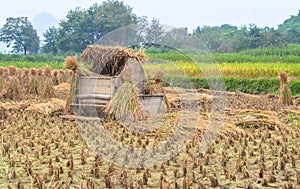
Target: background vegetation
column 250, row 57
column 83, row 27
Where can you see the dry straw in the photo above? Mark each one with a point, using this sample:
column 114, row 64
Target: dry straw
column 12, row 70
column 109, row 60
column 33, row 72
column 47, row 71
column 1, row 71
column 125, row 103
column 26, row 71
column 71, row 63
column 48, row 90
column 12, row 91
column 40, row 71
column 285, row 96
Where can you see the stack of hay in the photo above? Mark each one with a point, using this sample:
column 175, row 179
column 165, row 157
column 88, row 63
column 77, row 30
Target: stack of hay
column 71, row 63
column 109, row 60
column 285, row 96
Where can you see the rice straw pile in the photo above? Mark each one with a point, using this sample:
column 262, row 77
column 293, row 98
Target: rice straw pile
column 125, row 103
column 72, row 64
column 285, row 96
column 109, row 60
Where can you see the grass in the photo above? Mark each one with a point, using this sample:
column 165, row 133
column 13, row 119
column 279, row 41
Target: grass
column 24, row 64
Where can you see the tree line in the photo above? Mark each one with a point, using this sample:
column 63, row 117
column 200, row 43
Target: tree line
column 83, row 27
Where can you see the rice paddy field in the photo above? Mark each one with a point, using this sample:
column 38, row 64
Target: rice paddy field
column 256, row 146
column 237, row 70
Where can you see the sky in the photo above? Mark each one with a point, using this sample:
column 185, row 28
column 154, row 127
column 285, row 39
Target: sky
column 177, row 13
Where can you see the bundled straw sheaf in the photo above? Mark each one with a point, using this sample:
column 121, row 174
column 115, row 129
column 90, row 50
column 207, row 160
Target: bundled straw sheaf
column 71, row 63
column 285, row 96
column 125, row 103
column 109, row 60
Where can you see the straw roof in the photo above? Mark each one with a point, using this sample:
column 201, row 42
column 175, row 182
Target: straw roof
column 109, row 60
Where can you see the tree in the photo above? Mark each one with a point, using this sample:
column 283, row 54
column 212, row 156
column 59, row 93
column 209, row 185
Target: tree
column 20, row 33
column 176, row 37
column 84, row 27
column 111, row 15
column 290, row 29
column 155, row 32
column 72, row 35
column 211, row 36
column 141, row 26
column 50, row 41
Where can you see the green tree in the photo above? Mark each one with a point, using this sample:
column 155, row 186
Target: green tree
column 72, row 33
column 255, row 36
column 50, row 41
column 111, row 15
column 155, row 32
column 84, row 27
column 20, row 33
column 271, row 38
column 290, row 29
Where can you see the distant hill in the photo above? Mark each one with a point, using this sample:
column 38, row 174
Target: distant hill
column 290, row 29
column 43, row 21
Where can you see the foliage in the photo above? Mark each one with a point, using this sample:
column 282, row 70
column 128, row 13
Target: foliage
column 50, row 41
column 155, row 32
column 227, row 38
column 290, row 29
column 286, row 54
column 30, row 58
column 249, row 86
column 84, row 27
column 23, row 64
column 20, row 32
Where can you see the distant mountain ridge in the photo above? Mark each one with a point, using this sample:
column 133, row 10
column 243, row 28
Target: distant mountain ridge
column 44, row 21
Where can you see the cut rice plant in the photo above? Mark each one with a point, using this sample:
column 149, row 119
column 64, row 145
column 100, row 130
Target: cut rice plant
column 125, row 103
column 71, row 63
column 33, row 83
column 48, row 90
column 285, row 96
column 12, row 91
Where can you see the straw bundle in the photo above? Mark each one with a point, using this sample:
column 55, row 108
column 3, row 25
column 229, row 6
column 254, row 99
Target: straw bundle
column 109, row 60
column 48, row 90
column 12, row 70
column 47, row 71
column 285, row 96
column 1, row 70
column 12, row 91
column 71, row 63
column 125, row 103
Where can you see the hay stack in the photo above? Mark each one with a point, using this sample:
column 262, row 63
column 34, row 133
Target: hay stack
column 109, row 60
column 12, row 91
column 72, row 64
column 125, row 103
column 285, row 96
column 48, row 91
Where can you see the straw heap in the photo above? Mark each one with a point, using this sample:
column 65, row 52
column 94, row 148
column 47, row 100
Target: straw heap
column 125, row 103
column 285, row 96
column 109, row 60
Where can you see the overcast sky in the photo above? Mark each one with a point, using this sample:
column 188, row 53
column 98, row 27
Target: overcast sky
column 178, row 13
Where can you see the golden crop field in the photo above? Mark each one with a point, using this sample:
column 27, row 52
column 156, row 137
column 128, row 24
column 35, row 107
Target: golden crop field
column 238, row 70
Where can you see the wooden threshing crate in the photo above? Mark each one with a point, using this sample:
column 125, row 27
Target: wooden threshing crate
column 93, row 93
